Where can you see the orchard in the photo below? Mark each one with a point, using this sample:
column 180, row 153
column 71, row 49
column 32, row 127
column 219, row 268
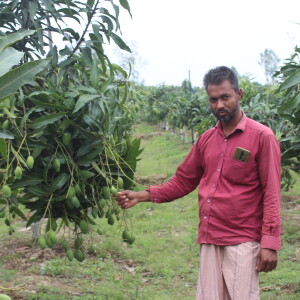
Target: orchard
column 69, row 126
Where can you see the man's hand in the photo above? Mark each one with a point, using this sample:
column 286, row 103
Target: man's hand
column 127, row 199
column 266, row 260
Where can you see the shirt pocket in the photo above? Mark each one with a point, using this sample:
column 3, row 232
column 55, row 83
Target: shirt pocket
column 236, row 171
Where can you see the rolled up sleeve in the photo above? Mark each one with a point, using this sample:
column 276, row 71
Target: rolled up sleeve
column 269, row 174
column 185, row 180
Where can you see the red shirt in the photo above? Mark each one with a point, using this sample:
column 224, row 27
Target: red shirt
column 239, row 201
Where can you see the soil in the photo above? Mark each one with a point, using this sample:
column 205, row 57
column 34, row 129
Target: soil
column 148, row 136
column 150, row 180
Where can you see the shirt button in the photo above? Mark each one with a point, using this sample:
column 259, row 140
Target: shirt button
column 208, row 200
column 222, row 154
column 205, row 217
column 219, row 170
column 213, row 185
column 225, row 140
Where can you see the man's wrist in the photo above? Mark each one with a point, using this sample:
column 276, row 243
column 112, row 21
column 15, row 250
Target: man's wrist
column 143, row 196
column 268, row 249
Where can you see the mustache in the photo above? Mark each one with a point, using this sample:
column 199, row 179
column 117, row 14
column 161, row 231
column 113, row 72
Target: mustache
column 222, row 110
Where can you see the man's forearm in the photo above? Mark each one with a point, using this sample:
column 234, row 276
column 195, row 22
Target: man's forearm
column 143, row 196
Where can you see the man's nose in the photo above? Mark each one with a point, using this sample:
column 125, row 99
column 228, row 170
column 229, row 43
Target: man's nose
column 220, row 104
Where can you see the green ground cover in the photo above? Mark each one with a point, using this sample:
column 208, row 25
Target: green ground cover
column 162, row 264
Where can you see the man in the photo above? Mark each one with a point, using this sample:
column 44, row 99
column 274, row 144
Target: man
column 236, row 165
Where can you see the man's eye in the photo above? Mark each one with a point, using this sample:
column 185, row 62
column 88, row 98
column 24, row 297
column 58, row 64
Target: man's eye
column 213, row 99
column 225, row 97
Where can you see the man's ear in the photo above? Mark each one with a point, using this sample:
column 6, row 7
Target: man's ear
column 240, row 93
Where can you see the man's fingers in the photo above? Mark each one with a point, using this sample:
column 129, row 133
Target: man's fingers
column 258, row 260
column 265, row 266
column 271, row 266
column 266, row 260
column 127, row 199
column 122, row 200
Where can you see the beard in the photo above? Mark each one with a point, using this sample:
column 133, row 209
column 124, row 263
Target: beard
column 228, row 117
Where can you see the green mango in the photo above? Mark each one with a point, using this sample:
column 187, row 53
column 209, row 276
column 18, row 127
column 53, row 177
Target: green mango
column 18, row 172
column 6, row 190
column 84, row 226
column 30, row 162
column 66, row 138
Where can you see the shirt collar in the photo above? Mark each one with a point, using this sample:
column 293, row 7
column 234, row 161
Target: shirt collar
column 240, row 126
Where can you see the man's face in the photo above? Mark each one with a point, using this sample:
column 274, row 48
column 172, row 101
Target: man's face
column 224, row 101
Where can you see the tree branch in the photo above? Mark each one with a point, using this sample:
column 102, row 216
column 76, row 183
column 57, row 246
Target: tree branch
column 85, row 29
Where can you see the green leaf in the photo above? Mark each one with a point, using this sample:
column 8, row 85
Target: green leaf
column 120, row 42
column 75, row 34
column 125, row 4
column 83, row 100
column 106, row 83
column 26, row 181
column 292, row 80
column 133, row 153
column 14, row 79
column 119, row 69
column 46, row 120
column 290, row 118
column 26, row 116
column 36, row 190
column 290, row 104
column 53, row 55
column 3, row 149
column 85, row 174
column 18, row 212
column 87, row 56
column 8, row 40
column 95, row 74
column 59, row 182
column 18, row 156
column 47, row 104
column 90, row 157
column 4, row 134
column 88, row 147
column 109, row 22
column 9, row 58
column 33, row 218
column 32, row 8
column 90, row 3
column 86, row 89
column 67, row 62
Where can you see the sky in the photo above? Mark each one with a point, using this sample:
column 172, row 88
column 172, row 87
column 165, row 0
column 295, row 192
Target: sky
column 176, row 38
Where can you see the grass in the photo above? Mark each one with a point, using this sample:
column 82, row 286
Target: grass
column 162, row 264
column 161, row 154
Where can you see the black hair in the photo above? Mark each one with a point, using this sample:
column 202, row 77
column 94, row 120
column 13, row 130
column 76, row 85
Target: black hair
column 218, row 75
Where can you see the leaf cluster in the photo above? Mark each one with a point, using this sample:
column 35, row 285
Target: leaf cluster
column 65, row 138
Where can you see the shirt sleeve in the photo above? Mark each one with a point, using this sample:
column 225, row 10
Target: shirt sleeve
column 269, row 174
column 185, row 180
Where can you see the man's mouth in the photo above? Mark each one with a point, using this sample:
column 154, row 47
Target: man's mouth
column 221, row 113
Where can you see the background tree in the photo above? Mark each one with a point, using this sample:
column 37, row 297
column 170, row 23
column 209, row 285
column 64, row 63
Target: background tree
column 131, row 61
column 269, row 62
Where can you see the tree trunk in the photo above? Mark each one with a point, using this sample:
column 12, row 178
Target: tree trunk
column 185, row 133
column 194, row 136
column 35, row 230
column 181, row 133
column 167, row 126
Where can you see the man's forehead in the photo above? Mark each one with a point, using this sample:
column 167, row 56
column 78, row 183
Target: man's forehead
column 224, row 87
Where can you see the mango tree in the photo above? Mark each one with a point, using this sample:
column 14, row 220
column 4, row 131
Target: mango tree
column 66, row 144
column 289, row 111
